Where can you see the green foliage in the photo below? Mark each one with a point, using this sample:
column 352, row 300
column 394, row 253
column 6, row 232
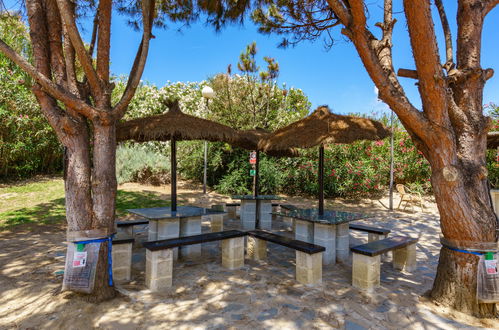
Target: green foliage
column 27, row 143
column 136, row 163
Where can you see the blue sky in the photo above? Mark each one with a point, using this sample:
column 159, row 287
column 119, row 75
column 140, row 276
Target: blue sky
column 335, row 77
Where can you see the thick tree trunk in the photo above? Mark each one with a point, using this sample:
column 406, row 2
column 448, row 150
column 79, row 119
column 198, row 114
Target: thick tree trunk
column 467, row 221
column 91, row 191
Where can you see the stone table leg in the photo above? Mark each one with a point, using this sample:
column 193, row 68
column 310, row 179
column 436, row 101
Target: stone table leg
column 189, row 227
column 265, row 214
column 153, row 231
column 304, row 231
column 169, row 229
column 248, row 214
column 325, row 235
column 217, row 222
column 342, row 243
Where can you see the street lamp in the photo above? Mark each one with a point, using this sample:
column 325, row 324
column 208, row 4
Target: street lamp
column 208, row 94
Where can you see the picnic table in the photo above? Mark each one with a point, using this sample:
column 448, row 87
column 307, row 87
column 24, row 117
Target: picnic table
column 185, row 221
column 250, row 205
column 329, row 230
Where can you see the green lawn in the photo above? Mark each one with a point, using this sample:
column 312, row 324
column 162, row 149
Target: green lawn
column 43, row 202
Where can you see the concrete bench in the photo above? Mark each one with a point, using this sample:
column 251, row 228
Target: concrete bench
column 122, row 259
column 159, row 255
column 308, row 256
column 367, row 259
column 374, row 233
column 128, row 225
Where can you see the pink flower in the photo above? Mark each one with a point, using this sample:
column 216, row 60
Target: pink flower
column 379, row 143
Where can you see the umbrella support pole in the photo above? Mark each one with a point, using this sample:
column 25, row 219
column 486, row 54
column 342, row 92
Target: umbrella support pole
column 173, row 170
column 321, row 180
column 255, row 190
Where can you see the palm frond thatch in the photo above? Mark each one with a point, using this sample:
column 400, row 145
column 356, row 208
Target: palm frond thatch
column 492, row 140
column 174, row 124
column 324, row 127
column 251, row 138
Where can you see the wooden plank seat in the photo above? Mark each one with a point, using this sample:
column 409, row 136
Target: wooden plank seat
column 128, row 226
column 308, row 256
column 122, row 258
column 159, row 255
column 367, row 259
column 374, row 233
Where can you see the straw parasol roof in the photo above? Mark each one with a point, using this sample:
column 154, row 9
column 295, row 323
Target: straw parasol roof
column 324, row 127
column 492, row 140
column 174, row 124
column 250, row 139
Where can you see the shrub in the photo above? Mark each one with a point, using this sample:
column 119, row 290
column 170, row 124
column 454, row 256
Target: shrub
column 134, row 163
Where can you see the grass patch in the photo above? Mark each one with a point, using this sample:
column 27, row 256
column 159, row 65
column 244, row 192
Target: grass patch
column 43, row 202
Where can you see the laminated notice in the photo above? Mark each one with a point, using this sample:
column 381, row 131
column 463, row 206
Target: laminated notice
column 80, row 259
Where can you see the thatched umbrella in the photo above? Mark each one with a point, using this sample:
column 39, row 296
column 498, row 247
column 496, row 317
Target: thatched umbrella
column 320, row 128
column 174, row 126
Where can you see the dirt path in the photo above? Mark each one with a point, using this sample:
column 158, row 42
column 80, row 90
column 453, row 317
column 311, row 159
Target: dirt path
column 204, row 295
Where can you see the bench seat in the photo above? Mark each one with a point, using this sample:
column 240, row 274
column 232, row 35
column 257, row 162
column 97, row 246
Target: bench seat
column 308, row 256
column 367, row 259
column 159, row 255
column 374, row 233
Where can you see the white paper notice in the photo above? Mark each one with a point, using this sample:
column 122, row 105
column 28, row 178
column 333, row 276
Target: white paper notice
column 80, row 259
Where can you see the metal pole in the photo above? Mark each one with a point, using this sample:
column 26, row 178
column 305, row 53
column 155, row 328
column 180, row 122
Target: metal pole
column 173, row 169
column 255, row 190
column 321, row 180
column 205, row 174
column 391, row 164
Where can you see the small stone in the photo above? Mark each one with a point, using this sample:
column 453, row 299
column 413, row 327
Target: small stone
column 237, row 317
column 350, row 325
column 267, row 314
column 291, row 306
column 232, row 308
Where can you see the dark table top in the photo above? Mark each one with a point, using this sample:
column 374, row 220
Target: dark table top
column 163, row 213
column 330, row 216
column 259, row 197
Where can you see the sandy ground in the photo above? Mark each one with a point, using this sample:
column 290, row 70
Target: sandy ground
column 261, row 295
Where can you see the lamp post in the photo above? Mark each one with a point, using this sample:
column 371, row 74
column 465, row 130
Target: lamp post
column 208, row 94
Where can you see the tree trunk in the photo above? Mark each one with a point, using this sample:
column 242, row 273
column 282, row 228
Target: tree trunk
column 467, row 221
column 90, row 192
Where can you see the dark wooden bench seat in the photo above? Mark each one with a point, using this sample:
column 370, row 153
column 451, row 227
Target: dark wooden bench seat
column 302, row 246
column 232, row 204
column 374, row 233
column 127, row 223
column 190, row 240
column 367, row 259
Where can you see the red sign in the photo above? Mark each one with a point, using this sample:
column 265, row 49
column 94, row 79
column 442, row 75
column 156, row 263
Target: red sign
column 252, row 159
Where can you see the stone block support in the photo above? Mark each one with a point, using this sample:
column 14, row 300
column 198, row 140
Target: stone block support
column 159, row 269
column 265, row 219
column 233, row 252
column 309, row 268
column 371, row 237
column 257, row 248
column 325, row 235
column 248, row 214
column 217, row 222
column 231, row 210
column 168, row 229
column 405, row 258
column 365, row 272
column 152, row 231
column 188, row 227
column 122, row 262
column 304, row 231
column 342, row 243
